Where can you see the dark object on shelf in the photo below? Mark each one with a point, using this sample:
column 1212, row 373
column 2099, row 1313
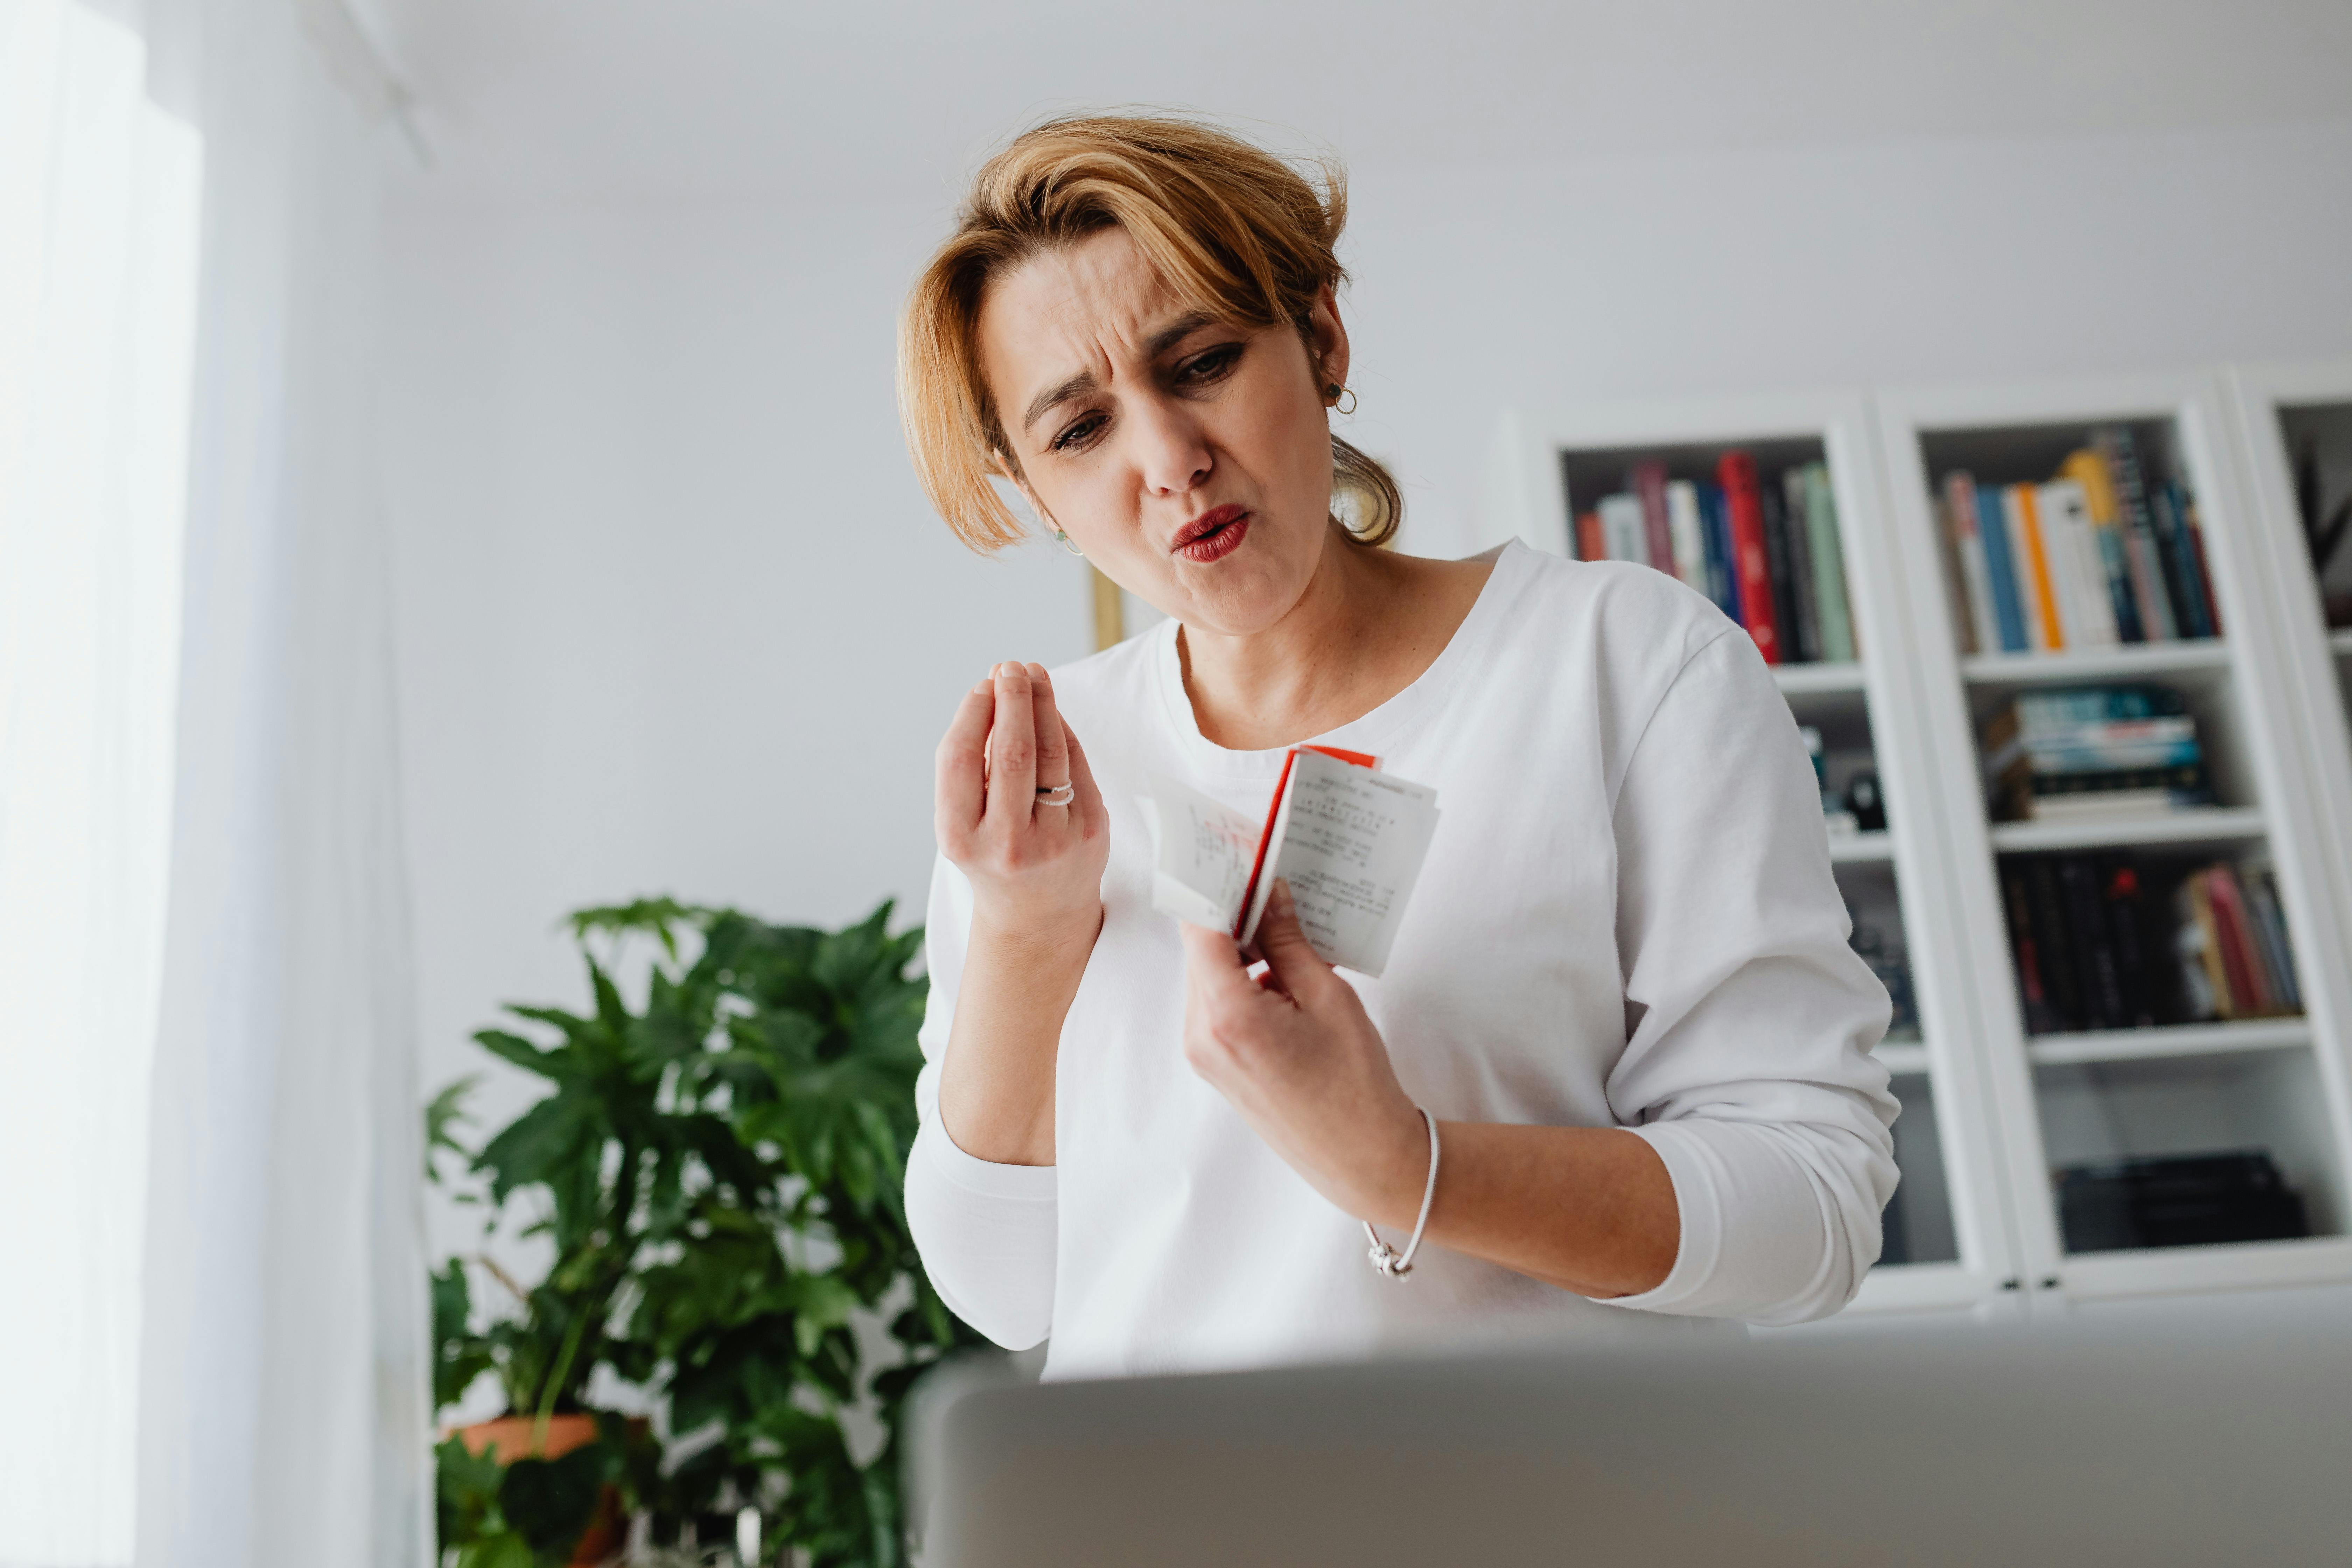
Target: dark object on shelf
column 2196, row 1200
column 1863, row 799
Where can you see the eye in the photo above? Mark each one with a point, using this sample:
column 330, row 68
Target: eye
column 1203, row 368
column 1077, row 434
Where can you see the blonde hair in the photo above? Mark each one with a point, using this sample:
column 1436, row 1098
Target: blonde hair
column 1229, row 227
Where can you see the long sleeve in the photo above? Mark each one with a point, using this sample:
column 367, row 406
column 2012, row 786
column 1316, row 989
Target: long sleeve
column 986, row 1232
column 1750, row 1020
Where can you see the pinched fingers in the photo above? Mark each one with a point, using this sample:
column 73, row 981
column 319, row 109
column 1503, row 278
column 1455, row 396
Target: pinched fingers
column 961, row 794
column 1013, row 749
column 1053, row 735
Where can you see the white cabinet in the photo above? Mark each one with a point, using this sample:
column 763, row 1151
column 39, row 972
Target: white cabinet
column 1999, row 1099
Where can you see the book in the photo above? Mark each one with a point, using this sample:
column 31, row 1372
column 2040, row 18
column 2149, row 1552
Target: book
column 2120, row 453
column 2090, row 942
column 1349, row 839
column 1751, row 572
column 2033, row 995
column 2059, row 708
column 2092, row 747
column 2065, row 509
column 1777, row 567
column 1983, row 615
column 2269, row 929
column 2208, row 610
column 1687, row 532
column 2127, row 587
column 1805, row 586
column 1623, row 529
column 1829, row 564
column 2120, row 886
column 2035, row 603
column 2194, row 1200
column 1722, row 575
column 1648, row 483
column 1993, row 528
column 1592, row 544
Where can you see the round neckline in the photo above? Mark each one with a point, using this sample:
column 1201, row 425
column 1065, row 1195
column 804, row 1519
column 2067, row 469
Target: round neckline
column 1369, row 731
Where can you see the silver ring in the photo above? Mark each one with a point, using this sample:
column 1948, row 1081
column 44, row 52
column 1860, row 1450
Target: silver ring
column 1060, row 794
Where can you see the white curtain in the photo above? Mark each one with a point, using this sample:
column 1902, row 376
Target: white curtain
column 229, row 1260
column 99, row 191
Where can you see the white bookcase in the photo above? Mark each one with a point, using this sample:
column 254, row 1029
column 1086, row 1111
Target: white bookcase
column 1990, row 1112
column 1953, row 1199
column 2280, row 409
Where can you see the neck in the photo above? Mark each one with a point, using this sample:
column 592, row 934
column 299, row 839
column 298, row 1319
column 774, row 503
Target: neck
column 1360, row 633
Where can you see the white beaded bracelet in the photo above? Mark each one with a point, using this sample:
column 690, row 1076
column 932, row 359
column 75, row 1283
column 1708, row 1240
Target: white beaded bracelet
column 1396, row 1265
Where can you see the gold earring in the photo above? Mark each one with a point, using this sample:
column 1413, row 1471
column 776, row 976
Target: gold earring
column 1067, row 544
column 1334, row 392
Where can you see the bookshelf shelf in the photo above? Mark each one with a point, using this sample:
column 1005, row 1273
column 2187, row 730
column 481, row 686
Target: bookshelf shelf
column 1818, row 679
column 2169, row 1041
column 2341, row 643
column 1861, row 848
column 2213, row 825
column 2134, row 662
column 2170, row 1270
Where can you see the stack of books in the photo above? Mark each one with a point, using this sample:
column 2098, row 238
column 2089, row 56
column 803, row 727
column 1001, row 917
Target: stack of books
column 1767, row 553
column 2234, row 958
column 2094, row 950
column 2195, row 1200
column 2096, row 557
column 2093, row 751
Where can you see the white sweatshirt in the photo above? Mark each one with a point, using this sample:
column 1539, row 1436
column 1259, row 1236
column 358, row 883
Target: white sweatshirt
column 1626, row 920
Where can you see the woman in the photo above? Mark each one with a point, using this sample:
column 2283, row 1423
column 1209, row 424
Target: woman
column 1621, row 991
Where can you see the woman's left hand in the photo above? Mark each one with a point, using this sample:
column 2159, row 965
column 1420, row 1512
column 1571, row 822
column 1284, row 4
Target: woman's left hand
column 1299, row 1057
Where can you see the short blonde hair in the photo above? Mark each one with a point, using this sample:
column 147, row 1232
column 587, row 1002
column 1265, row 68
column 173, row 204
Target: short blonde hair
column 1230, row 227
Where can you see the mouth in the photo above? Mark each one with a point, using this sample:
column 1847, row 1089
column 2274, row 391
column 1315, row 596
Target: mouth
column 1213, row 535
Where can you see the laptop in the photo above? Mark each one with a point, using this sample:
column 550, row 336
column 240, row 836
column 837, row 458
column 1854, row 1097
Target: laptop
column 2092, row 1442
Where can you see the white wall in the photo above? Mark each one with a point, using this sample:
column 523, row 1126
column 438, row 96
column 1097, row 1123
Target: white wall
column 673, row 613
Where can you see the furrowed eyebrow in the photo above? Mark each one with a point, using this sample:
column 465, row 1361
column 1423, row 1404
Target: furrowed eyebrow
column 1177, row 330
column 1159, row 343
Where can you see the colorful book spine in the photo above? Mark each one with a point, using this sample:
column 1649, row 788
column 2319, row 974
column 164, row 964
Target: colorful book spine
column 2009, row 609
column 1592, row 543
column 1829, row 565
column 2115, row 444
column 1722, row 575
column 1649, row 485
column 1975, row 565
column 1803, row 592
column 1736, row 472
column 2089, row 612
column 1784, row 586
column 2201, row 577
column 2034, row 597
column 2124, row 588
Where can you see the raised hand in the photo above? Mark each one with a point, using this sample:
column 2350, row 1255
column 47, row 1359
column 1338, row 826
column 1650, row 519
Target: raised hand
column 1017, row 810
column 1019, row 815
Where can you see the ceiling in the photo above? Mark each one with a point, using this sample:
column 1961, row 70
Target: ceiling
column 894, row 98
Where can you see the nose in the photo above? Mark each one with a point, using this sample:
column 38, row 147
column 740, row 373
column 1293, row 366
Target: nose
column 1171, row 452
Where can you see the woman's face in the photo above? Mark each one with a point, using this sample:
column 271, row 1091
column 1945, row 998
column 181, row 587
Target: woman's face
column 1189, row 458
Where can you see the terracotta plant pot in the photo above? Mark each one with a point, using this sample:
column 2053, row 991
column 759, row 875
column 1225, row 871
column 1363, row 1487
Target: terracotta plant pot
column 607, row 1531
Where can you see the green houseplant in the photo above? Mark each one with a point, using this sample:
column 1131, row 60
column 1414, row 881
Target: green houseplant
column 718, row 1173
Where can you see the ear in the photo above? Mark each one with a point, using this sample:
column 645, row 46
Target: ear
column 1010, row 472
column 1327, row 338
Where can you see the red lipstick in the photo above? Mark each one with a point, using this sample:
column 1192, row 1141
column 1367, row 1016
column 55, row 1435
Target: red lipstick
column 1213, row 535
